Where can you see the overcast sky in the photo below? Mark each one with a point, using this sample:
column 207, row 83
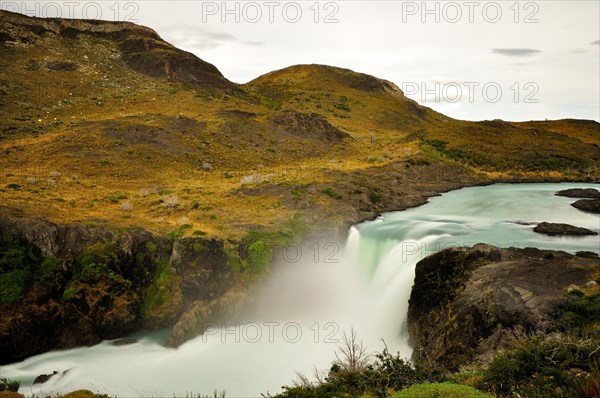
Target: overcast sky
column 476, row 59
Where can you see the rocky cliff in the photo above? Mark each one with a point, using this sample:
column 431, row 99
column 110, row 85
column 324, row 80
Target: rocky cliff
column 466, row 303
column 69, row 285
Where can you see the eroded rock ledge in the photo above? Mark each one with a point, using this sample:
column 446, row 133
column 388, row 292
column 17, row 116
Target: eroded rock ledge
column 467, row 302
column 70, row 285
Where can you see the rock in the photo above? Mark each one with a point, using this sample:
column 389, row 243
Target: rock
column 590, row 284
column 591, row 205
column 63, row 311
column 201, row 265
column 66, row 66
column 572, row 288
column 466, row 303
column 579, row 193
column 41, row 379
column 202, row 315
column 123, row 342
column 308, row 125
column 562, row 229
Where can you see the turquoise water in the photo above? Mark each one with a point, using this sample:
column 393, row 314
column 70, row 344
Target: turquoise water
column 306, row 305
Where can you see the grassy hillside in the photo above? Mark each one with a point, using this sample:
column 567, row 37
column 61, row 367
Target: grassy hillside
column 106, row 120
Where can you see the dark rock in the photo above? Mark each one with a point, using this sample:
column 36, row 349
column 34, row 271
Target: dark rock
column 562, row 229
column 41, row 379
column 69, row 307
column 202, row 315
column 589, row 193
column 199, row 263
column 62, row 66
column 123, row 342
column 466, row 303
column 308, row 125
column 591, row 205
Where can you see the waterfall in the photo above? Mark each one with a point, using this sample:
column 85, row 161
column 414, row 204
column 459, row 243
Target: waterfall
column 305, row 306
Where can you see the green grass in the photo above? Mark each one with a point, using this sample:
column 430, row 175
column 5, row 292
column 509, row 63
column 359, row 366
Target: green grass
column 441, row 390
column 158, row 292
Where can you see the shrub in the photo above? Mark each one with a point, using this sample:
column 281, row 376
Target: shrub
column 171, row 202
column 14, row 285
column 375, row 197
column 68, row 293
column 14, row 186
column 586, row 254
column 441, row 390
column 175, row 234
column 9, row 385
column 50, row 272
column 126, row 207
column 259, row 256
column 331, row 193
column 150, row 246
column 538, row 366
column 99, row 261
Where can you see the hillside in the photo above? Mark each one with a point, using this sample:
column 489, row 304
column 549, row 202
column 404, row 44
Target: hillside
column 95, row 114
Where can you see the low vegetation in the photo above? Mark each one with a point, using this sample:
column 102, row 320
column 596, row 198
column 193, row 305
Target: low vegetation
column 564, row 363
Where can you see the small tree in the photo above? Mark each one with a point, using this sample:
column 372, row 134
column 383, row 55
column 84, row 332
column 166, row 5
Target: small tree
column 352, row 356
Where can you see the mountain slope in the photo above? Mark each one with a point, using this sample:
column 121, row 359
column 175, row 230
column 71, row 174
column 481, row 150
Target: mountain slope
column 97, row 114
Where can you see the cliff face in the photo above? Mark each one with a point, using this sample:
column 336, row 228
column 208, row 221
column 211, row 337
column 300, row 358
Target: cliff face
column 141, row 48
column 70, row 285
column 467, row 302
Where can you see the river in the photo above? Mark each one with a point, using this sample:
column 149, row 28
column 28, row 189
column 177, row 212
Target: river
column 323, row 290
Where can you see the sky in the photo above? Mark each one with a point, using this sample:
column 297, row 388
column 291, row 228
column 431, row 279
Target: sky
column 472, row 60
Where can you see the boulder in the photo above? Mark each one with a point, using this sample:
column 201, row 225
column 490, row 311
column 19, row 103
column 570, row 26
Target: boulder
column 466, row 303
column 591, row 205
column 588, row 193
column 41, row 379
column 562, row 229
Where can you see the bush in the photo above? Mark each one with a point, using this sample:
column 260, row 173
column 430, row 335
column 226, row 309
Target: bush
column 50, row 273
column 14, row 285
column 579, row 312
column 99, row 261
column 9, row 385
column 375, row 197
column 539, row 366
column 331, row 193
column 68, row 293
column 259, row 256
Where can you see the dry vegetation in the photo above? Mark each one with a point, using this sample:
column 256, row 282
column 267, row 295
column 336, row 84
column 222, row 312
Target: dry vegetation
column 84, row 136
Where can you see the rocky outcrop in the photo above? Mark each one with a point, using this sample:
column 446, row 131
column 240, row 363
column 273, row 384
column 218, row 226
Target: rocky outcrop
column 553, row 229
column 588, row 193
column 70, row 285
column 142, row 49
column 199, row 264
column 203, row 314
column 591, row 205
column 467, row 302
column 308, row 125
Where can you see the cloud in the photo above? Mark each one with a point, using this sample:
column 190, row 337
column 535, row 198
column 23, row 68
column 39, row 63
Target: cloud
column 190, row 36
column 255, row 43
column 516, row 52
column 597, row 43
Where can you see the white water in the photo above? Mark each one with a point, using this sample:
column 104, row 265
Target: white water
column 306, row 305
